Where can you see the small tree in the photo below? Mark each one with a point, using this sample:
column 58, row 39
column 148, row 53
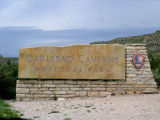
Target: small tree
column 8, row 77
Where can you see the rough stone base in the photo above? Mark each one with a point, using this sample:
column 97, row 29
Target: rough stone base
column 46, row 89
column 136, row 81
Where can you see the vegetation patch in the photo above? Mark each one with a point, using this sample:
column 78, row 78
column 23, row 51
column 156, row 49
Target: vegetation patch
column 88, row 111
column 55, row 97
column 88, row 106
column 54, row 112
column 8, row 78
column 67, row 119
column 152, row 42
column 6, row 111
column 36, row 117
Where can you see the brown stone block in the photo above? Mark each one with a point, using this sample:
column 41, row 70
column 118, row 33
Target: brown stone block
column 137, row 92
column 121, row 89
column 83, row 82
column 149, row 73
column 80, row 86
column 58, row 81
column 35, row 92
column 37, row 86
column 102, row 86
column 147, row 65
column 137, row 79
column 98, row 89
column 81, row 93
column 76, row 89
column 148, row 69
column 129, row 92
column 20, row 95
column 118, row 92
column 49, row 85
column 111, row 89
column 20, row 85
column 129, row 47
column 98, row 82
column 31, row 81
column 121, row 83
column 140, row 83
column 29, row 95
column 126, row 86
column 112, row 83
column 138, row 72
column 60, row 92
column 71, row 92
column 68, row 96
column 153, row 82
column 41, row 96
column 55, row 89
column 20, row 81
column 22, row 90
column 71, row 82
column 44, row 88
column 48, row 82
column 142, row 51
column 93, row 93
column 150, row 91
column 65, row 86
column 140, row 86
column 125, row 83
column 87, row 89
column 47, row 92
column 129, row 59
column 33, row 88
column 114, row 86
column 65, row 89
column 131, row 75
column 92, row 86
column 104, row 94
column 146, row 86
column 153, row 86
column 24, row 99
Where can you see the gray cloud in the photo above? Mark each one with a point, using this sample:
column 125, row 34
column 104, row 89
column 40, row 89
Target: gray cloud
column 14, row 38
column 64, row 22
column 82, row 14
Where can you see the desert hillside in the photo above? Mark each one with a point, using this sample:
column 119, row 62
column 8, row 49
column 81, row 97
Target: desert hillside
column 152, row 42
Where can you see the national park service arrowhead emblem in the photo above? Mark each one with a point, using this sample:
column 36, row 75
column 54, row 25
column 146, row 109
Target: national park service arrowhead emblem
column 138, row 60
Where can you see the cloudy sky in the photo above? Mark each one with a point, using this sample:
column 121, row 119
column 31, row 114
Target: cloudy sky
column 30, row 23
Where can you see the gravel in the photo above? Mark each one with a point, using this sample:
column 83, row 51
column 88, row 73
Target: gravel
column 131, row 107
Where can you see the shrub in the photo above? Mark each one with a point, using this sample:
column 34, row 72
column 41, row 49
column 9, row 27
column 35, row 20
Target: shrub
column 8, row 77
column 156, row 73
column 55, row 97
column 7, row 112
column 155, row 65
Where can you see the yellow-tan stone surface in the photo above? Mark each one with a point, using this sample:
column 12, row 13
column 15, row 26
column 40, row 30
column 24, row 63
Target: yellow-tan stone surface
column 73, row 62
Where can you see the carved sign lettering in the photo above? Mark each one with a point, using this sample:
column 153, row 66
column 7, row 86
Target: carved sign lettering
column 73, row 62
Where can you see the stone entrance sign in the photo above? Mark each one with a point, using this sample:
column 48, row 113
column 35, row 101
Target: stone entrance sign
column 83, row 71
column 73, row 62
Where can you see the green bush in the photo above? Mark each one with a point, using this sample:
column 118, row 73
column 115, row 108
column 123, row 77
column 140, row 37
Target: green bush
column 155, row 65
column 156, row 73
column 7, row 112
column 8, row 77
column 55, row 97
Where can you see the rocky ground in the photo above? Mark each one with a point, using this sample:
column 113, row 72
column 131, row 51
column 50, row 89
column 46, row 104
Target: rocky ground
column 132, row 107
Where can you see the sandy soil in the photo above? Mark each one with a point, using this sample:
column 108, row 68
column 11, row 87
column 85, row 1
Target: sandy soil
column 135, row 107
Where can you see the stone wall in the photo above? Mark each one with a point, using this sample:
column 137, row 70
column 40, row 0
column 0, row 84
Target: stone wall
column 136, row 82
